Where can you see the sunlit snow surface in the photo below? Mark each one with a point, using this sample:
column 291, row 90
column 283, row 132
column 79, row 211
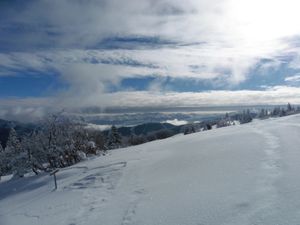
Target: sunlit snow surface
column 245, row 174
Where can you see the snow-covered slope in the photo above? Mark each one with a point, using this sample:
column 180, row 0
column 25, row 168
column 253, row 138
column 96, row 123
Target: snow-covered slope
column 248, row 174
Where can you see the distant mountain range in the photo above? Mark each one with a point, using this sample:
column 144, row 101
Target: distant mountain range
column 126, row 131
column 143, row 129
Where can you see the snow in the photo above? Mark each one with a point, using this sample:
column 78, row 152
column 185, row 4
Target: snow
column 244, row 174
column 98, row 127
column 176, row 122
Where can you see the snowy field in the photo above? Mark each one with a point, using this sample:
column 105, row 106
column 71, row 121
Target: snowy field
column 245, row 174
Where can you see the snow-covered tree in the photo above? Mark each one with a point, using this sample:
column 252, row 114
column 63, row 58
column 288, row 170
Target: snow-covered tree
column 263, row 114
column 13, row 143
column 223, row 123
column 245, row 117
column 100, row 140
column 11, row 150
column 57, row 142
column 114, row 138
column 282, row 112
column 62, row 140
column 189, row 129
column 207, row 126
column 16, row 156
column 2, row 163
column 276, row 111
column 289, row 107
column 32, row 144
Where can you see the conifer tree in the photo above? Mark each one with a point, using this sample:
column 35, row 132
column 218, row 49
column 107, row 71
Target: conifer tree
column 114, row 138
column 2, row 163
column 15, row 156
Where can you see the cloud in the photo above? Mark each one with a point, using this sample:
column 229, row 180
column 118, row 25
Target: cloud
column 271, row 95
column 295, row 78
column 26, row 109
column 93, row 44
column 206, row 32
column 33, row 108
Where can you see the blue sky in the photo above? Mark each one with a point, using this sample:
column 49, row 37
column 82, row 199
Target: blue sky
column 144, row 53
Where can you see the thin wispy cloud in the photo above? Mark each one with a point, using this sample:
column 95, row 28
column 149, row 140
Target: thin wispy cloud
column 295, row 78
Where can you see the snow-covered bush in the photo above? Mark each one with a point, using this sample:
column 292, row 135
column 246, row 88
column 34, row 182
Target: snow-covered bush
column 81, row 155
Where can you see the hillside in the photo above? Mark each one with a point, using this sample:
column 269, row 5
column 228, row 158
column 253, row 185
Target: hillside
column 245, row 174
